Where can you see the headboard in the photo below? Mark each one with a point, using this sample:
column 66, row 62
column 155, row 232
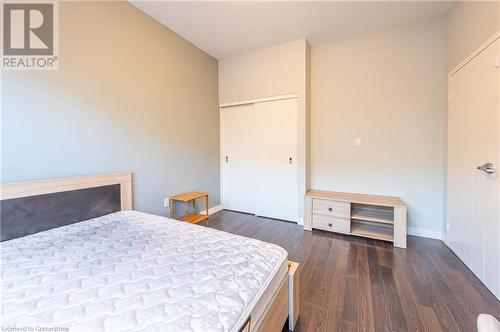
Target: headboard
column 31, row 207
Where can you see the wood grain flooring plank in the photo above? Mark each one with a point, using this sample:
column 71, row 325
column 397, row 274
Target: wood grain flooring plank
column 418, row 280
column 310, row 269
column 313, row 319
column 336, row 303
column 430, row 319
column 321, row 283
column 337, row 291
column 305, row 318
column 396, row 314
column 392, row 257
column 365, row 311
column 351, row 301
column 380, row 310
column 352, row 261
column 410, row 309
column 348, row 326
column 318, row 322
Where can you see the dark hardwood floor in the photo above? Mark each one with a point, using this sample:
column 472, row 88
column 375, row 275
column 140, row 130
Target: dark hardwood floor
column 353, row 284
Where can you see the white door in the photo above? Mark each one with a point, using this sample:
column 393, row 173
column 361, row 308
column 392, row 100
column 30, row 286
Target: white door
column 490, row 183
column 473, row 140
column 276, row 159
column 237, row 152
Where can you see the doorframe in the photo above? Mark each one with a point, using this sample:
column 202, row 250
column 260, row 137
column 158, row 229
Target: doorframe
column 475, row 53
column 301, row 139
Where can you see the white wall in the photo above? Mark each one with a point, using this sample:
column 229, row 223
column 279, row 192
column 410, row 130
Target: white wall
column 129, row 95
column 389, row 89
column 273, row 71
column 469, row 25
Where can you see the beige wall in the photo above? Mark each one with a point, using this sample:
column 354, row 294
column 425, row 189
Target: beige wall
column 273, row 71
column 388, row 89
column 268, row 72
column 130, row 95
column 469, row 25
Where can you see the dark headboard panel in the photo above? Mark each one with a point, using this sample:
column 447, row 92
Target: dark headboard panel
column 33, row 214
column 31, row 207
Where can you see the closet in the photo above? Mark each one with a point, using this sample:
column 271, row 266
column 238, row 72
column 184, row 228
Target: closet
column 473, row 223
column 259, row 158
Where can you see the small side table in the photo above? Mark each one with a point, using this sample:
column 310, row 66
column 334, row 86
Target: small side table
column 193, row 218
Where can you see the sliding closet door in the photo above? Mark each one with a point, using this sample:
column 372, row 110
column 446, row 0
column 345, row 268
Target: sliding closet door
column 238, row 151
column 473, row 186
column 276, row 159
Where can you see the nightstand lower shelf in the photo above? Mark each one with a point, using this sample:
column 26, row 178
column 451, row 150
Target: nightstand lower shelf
column 194, row 218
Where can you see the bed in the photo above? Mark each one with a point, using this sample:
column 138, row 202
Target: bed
column 76, row 257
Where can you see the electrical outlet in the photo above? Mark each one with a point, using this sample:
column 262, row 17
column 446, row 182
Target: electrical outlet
column 447, row 226
column 166, row 203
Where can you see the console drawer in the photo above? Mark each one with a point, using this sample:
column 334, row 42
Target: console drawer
column 331, row 224
column 335, row 209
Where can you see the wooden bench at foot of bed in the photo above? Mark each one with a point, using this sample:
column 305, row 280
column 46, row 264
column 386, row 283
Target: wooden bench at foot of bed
column 284, row 305
column 293, row 285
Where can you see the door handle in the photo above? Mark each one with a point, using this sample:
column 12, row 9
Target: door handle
column 488, row 168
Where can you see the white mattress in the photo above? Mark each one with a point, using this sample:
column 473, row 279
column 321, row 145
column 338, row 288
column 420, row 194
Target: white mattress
column 135, row 271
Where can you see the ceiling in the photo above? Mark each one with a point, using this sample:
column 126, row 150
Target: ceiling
column 227, row 28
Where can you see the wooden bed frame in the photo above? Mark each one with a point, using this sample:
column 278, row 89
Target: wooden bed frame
column 283, row 304
column 43, row 187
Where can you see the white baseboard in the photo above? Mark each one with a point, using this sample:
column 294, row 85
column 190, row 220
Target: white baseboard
column 423, row 232
column 212, row 210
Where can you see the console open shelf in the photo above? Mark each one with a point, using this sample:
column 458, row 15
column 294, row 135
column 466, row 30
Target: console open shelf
column 372, row 230
column 373, row 213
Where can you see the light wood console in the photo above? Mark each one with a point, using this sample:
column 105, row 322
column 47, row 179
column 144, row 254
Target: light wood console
column 371, row 216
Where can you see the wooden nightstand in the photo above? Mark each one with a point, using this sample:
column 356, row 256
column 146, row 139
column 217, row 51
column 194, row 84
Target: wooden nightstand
column 193, row 218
